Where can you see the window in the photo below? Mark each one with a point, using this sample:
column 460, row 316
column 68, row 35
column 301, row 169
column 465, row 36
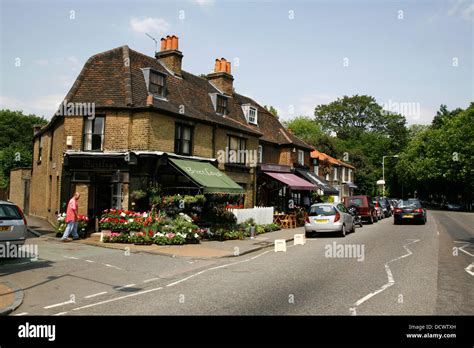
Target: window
column 51, row 146
column 350, row 175
column 183, row 140
column 260, row 153
column 301, row 157
column 221, row 107
column 40, row 149
column 344, row 174
column 316, row 169
column 93, row 134
column 157, row 84
column 335, row 174
column 236, row 153
column 250, row 113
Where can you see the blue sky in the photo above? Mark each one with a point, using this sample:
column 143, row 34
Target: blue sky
column 294, row 55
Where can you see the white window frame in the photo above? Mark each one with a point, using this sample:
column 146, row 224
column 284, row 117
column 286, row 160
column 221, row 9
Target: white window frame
column 246, row 109
column 344, row 174
column 260, row 153
column 301, row 157
column 335, row 174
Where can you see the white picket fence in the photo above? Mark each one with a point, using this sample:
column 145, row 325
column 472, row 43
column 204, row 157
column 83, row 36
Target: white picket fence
column 261, row 215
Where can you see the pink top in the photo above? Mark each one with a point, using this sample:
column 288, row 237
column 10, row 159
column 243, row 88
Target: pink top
column 71, row 209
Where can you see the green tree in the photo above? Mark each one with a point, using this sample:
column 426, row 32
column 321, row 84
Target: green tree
column 271, row 110
column 16, row 141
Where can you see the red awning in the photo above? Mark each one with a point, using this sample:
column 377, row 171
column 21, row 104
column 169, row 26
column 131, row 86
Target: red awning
column 294, row 182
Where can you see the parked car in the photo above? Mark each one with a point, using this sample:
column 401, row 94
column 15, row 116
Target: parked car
column 378, row 209
column 454, row 206
column 385, row 206
column 329, row 217
column 389, row 206
column 409, row 211
column 12, row 224
column 365, row 207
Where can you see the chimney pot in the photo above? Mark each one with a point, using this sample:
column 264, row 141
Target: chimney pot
column 169, row 54
column 221, row 77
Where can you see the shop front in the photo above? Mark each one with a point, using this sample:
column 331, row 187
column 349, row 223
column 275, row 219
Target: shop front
column 323, row 186
column 278, row 187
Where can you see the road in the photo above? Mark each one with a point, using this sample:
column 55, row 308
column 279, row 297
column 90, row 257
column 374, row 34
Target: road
column 404, row 269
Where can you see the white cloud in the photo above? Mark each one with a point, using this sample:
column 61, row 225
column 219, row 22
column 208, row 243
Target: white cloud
column 204, row 2
column 462, row 8
column 42, row 106
column 149, row 25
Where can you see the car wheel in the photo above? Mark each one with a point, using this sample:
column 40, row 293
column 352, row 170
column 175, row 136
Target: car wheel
column 353, row 229
column 343, row 231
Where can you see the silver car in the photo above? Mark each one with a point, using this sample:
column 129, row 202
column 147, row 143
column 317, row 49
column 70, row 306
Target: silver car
column 12, row 224
column 329, row 217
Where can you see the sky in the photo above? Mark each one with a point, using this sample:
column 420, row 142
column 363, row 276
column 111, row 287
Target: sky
column 412, row 56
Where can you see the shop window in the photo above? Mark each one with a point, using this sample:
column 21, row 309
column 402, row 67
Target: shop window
column 117, row 192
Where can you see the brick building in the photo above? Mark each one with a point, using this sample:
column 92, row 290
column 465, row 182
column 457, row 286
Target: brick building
column 151, row 118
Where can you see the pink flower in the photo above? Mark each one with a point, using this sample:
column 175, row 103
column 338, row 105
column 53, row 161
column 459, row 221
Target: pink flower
column 170, row 235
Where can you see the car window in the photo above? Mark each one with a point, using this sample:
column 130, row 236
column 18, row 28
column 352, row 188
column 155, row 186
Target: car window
column 409, row 204
column 358, row 202
column 325, row 210
column 9, row 212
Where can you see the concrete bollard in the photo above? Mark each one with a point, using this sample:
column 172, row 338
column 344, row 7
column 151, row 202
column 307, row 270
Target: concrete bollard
column 299, row 239
column 280, row 245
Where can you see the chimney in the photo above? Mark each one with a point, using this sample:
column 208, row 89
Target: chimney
column 37, row 128
column 169, row 54
column 221, row 77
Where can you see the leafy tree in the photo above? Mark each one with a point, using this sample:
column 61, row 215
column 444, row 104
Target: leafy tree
column 16, row 141
column 271, row 110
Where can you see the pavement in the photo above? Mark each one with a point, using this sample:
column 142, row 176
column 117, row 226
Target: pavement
column 381, row 269
column 11, row 297
column 205, row 249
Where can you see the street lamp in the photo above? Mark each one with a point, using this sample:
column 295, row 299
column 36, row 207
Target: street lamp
column 383, row 172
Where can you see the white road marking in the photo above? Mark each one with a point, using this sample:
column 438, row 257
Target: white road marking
column 98, row 294
column 71, row 257
column 112, row 266
column 90, row 261
column 391, row 280
column 464, row 251
column 468, row 269
column 125, row 286
column 60, row 313
column 150, row 280
column 117, row 298
column 253, row 258
column 20, row 314
column 59, row 304
column 169, row 285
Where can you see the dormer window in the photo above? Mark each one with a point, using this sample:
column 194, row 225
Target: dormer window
column 250, row 113
column 221, row 105
column 155, row 82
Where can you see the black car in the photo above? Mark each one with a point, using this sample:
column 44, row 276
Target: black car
column 409, row 211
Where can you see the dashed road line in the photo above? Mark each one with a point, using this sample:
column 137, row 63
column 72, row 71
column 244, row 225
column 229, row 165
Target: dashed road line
column 391, row 280
column 95, row 295
column 21, row 314
column 125, row 286
column 90, row 261
column 60, row 313
column 150, row 280
column 59, row 304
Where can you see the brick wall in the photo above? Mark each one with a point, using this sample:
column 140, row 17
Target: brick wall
column 17, row 186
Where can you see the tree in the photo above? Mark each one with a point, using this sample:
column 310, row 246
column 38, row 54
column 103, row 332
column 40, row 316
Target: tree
column 308, row 130
column 271, row 110
column 16, row 141
column 350, row 116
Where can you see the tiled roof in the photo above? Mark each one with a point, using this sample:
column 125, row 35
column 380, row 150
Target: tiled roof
column 324, row 157
column 115, row 78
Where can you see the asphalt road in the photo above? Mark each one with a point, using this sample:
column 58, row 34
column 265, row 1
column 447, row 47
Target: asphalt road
column 383, row 269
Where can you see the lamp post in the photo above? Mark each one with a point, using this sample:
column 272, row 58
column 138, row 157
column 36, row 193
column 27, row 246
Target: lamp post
column 383, row 172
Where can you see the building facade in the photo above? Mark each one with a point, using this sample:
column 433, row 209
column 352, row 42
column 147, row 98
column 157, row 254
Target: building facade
column 147, row 115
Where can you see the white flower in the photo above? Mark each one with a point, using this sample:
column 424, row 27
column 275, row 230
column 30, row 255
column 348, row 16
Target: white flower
column 122, row 214
column 145, row 215
column 130, row 220
column 196, row 235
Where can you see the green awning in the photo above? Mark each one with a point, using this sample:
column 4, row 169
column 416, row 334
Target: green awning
column 208, row 177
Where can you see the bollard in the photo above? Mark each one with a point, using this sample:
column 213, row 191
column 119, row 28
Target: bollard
column 280, row 245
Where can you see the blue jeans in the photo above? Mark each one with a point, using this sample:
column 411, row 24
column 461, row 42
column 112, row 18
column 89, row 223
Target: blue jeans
column 71, row 227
